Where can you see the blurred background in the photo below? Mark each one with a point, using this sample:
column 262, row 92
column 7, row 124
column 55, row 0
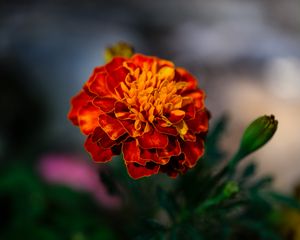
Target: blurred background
column 246, row 55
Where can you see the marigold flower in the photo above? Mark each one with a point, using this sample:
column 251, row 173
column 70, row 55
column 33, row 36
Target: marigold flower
column 146, row 108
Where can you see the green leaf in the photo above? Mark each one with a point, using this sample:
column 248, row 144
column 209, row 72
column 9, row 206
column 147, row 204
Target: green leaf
column 286, row 200
column 249, row 170
column 261, row 183
column 213, row 152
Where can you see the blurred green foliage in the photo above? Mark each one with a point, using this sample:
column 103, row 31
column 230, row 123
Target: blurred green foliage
column 202, row 204
column 31, row 209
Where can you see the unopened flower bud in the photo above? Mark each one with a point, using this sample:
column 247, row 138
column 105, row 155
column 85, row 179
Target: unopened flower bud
column 120, row 49
column 258, row 133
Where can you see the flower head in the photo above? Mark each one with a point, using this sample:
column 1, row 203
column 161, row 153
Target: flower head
column 146, row 108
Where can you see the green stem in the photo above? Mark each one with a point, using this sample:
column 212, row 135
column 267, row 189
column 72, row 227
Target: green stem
column 230, row 167
column 209, row 203
column 229, row 170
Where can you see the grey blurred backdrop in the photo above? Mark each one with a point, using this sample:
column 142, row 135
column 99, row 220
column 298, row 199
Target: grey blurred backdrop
column 246, row 55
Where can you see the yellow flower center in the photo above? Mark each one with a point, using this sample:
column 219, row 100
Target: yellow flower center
column 151, row 92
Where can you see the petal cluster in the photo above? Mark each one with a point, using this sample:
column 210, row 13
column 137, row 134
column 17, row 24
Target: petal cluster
column 146, row 108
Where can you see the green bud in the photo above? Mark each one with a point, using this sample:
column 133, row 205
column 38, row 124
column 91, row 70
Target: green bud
column 258, row 133
column 120, row 49
column 230, row 188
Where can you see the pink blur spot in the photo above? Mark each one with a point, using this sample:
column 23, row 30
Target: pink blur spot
column 78, row 174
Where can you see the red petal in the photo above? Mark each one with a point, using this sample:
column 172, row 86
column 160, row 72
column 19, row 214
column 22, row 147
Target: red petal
column 100, row 137
column 189, row 111
column 114, row 64
column 76, row 103
column 137, row 171
column 122, row 111
column 96, row 71
column 199, row 123
column 188, row 78
column 111, row 126
column 173, row 149
column 129, row 126
column 192, row 151
column 189, row 136
column 153, row 139
column 97, row 134
column 106, row 104
column 99, row 85
column 151, row 155
column 174, row 166
column 131, row 153
column 198, row 97
column 98, row 153
column 140, row 59
column 116, row 73
column 176, row 116
column 116, row 77
column 93, row 75
column 170, row 130
column 88, row 118
column 116, row 149
column 119, row 92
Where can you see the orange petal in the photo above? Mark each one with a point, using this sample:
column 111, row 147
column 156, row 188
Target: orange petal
column 98, row 153
column 131, row 153
column 153, row 139
column 106, row 104
column 199, row 123
column 176, row 116
column 173, row 149
column 137, row 171
column 192, row 151
column 111, row 126
column 76, row 103
column 88, row 118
